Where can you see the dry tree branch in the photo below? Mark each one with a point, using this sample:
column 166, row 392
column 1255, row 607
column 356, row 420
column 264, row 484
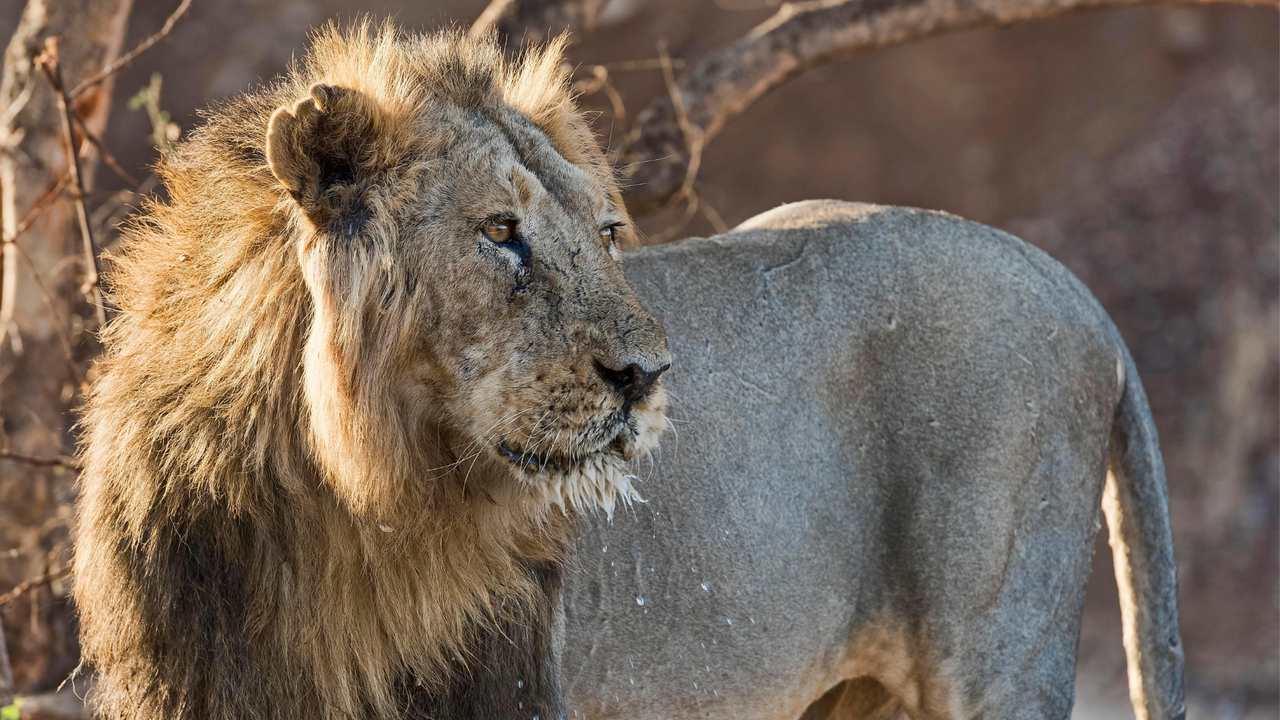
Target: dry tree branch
column 717, row 223
column 600, row 82
column 52, row 307
column 61, row 461
column 124, row 60
column 800, row 37
column 534, row 20
column 107, row 157
column 30, row 584
column 644, row 64
column 41, row 204
column 48, row 63
column 693, row 140
column 693, row 137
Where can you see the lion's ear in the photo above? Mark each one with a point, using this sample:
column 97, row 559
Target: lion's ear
column 323, row 150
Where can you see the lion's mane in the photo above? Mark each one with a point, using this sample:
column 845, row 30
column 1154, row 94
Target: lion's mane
column 214, row 553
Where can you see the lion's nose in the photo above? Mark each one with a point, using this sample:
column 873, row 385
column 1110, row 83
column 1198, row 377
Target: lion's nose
column 632, row 382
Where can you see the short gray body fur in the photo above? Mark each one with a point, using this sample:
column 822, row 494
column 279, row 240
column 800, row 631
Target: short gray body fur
column 892, row 430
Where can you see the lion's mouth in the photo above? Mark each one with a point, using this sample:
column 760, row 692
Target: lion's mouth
column 590, row 469
column 533, row 463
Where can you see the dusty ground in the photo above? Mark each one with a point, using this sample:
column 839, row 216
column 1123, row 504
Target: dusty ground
column 1140, row 147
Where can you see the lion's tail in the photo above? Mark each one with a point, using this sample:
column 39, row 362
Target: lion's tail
column 1136, row 503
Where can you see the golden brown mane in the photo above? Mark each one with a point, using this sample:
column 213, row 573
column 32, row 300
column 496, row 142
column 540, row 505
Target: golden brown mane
column 198, row 466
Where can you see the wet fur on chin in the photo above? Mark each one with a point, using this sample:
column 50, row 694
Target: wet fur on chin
column 250, row 541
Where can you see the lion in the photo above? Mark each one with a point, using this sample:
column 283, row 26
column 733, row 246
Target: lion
column 896, row 429
column 370, row 431
column 372, row 357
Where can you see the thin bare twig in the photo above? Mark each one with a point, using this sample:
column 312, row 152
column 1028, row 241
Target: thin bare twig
column 15, row 107
column 600, row 82
column 124, row 60
column 713, row 217
column 644, row 64
column 535, row 20
column 40, row 580
column 107, row 157
column 39, row 206
column 61, row 461
column 59, row 322
column 108, row 216
column 693, row 146
column 48, row 62
column 673, row 231
column 693, row 139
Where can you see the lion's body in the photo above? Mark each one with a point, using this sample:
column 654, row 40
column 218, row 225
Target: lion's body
column 892, row 430
column 376, row 352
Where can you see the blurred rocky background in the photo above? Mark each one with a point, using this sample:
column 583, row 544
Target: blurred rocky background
column 1140, row 147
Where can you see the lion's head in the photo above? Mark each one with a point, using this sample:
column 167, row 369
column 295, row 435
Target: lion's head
column 376, row 333
column 459, row 233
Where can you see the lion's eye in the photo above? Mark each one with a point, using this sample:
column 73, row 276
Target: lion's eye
column 499, row 231
column 606, row 234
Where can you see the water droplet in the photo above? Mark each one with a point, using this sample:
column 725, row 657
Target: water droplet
column 729, row 620
column 753, row 620
column 519, row 683
column 605, row 549
column 640, row 601
column 633, row 681
column 706, row 587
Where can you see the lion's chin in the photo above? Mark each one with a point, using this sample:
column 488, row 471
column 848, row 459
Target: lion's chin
column 598, row 480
